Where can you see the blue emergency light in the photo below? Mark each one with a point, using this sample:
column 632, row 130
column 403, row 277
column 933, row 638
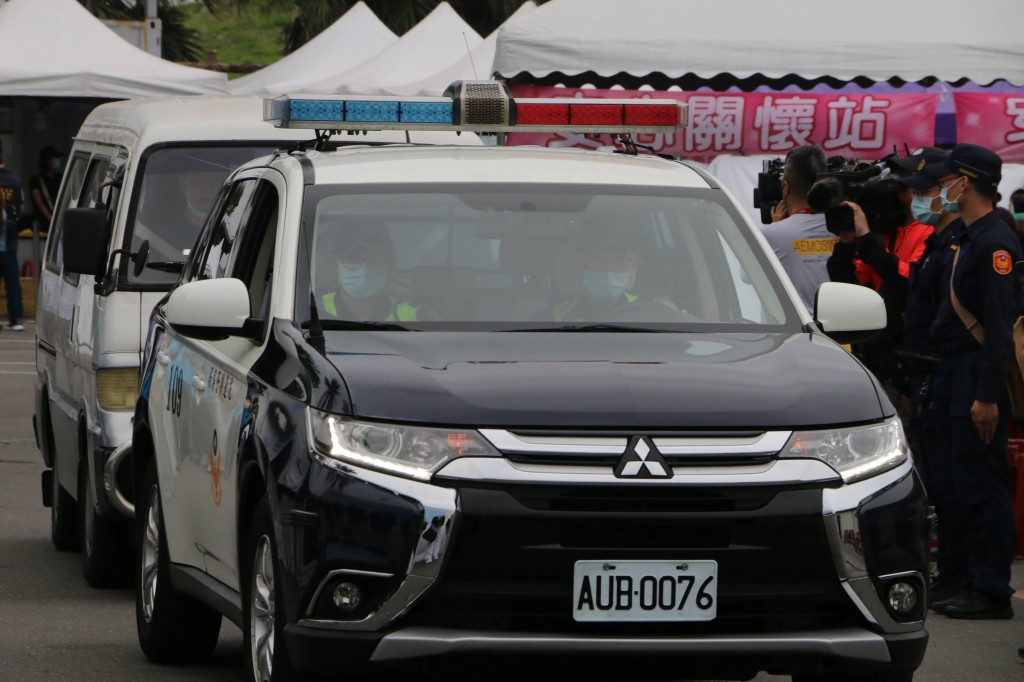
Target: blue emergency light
column 478, row 106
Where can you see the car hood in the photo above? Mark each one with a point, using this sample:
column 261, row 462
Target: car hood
column 604, row 380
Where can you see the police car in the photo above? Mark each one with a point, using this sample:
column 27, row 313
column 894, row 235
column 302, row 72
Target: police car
column 499, row 406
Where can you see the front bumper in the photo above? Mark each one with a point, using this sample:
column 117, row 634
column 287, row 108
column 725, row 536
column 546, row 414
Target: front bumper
column 801, row 564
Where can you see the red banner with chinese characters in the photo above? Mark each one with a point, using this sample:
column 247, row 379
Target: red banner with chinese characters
column 864, row 126
column 995, row 121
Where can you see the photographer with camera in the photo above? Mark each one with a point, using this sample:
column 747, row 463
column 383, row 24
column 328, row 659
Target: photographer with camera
column 879, row 241
column 797, row 232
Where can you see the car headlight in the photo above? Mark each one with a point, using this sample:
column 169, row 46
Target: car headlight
column 410, row 451
column 857, row 452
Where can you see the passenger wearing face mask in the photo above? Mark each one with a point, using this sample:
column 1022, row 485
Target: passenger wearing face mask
column 608, row 272
column 360, row 258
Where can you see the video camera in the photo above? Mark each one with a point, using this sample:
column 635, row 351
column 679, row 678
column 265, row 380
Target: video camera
column 842, row 180
column 768, row 192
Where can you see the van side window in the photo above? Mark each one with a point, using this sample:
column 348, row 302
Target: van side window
column 71, row 190
column 94, row 177
column 214, row 257
column 175, row 189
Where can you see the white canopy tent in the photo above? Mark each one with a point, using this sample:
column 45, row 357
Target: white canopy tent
column 474, row 66
column 56, row 48
column 351, row 40
column 876, row 39
column 439, row 40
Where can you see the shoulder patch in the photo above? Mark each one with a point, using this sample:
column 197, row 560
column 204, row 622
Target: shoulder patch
column 1002, row 262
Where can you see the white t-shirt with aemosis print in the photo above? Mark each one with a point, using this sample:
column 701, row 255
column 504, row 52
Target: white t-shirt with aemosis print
column 803, row 246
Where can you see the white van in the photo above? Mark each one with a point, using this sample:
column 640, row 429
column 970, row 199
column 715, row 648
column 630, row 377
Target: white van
column 148, row 170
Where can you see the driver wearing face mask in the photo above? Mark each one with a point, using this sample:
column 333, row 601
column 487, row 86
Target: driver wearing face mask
column 358, row 252
column 608, row 273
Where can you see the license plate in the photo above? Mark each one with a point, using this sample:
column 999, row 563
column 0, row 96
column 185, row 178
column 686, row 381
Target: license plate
column 645, row 590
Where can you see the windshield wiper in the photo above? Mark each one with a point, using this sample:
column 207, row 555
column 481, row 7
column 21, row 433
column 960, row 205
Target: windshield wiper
column 596, row 327
column 341, row 325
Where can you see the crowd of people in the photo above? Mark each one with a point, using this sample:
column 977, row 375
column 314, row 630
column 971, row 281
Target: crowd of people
column 944, row 259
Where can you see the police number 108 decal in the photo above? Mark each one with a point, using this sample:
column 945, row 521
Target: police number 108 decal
column 645, row 590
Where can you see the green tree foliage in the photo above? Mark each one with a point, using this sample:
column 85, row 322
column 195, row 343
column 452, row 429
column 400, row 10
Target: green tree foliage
column 179, row 42
column 313, row 16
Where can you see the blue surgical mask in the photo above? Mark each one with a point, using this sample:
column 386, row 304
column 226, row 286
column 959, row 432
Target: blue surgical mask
column 363, row 281
column 921, row 207
column 947, row 205
column 1019, row 217
column 605, row 286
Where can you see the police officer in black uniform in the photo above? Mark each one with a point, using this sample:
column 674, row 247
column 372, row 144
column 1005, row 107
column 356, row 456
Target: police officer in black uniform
column 973, row 333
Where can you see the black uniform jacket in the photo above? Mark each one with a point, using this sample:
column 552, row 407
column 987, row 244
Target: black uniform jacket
column 986, row 284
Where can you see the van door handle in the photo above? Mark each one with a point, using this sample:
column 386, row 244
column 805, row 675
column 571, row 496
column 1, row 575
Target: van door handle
column 198, row 383
column 162, row 357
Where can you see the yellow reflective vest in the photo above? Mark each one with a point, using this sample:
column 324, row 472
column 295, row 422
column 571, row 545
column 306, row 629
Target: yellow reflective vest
column 401, row 311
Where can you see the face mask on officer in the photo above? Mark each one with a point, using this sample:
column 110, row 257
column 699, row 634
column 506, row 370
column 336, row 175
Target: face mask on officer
column 362, row 281
column 921, row 207
column 951, row 205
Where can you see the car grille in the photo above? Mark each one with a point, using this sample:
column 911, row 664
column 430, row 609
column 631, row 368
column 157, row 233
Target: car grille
column 606, row 448
column 510, row 564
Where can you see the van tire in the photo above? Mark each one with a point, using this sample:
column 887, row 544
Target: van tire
column 106, row 550
column 172, row 627
column 63, row 513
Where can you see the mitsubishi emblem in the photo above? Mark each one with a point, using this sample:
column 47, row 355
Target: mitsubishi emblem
column 642, row 460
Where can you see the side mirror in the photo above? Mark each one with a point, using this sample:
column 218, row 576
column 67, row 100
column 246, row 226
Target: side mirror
column 849, row 313
column 211, row 310
column 84, row 241
column 140, row 258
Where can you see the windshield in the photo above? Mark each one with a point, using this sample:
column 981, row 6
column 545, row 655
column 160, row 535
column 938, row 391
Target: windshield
column 515, row 257
column 177, row 189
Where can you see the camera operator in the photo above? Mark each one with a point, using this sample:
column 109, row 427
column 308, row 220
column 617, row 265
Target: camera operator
column 879, row 240
column 797, row 233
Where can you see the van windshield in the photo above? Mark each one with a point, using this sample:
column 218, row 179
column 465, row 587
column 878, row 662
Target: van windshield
column 524, row 257
column 177, row 189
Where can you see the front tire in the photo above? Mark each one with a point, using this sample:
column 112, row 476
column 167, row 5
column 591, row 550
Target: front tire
column 172, row 627
column 106, row 551
column 264, row 619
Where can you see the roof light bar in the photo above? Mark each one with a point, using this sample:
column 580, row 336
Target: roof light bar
column 478, row 106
